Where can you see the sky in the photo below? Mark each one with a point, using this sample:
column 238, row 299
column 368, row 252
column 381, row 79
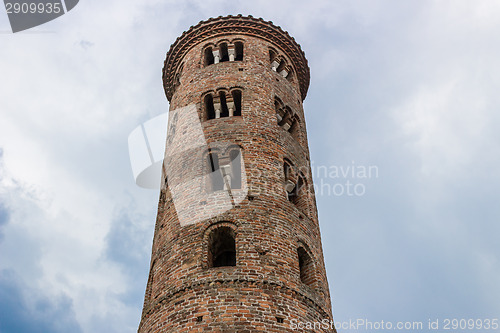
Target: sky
column 409, row 89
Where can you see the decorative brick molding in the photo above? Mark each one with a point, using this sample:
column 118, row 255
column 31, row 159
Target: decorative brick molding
column 222, row 26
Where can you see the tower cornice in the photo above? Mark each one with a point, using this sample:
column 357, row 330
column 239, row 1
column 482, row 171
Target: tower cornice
column 245, row 25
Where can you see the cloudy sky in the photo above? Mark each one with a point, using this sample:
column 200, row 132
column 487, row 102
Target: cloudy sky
column 408, row 87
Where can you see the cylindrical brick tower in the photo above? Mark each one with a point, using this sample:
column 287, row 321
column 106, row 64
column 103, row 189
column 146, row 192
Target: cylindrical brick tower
column 237, row 244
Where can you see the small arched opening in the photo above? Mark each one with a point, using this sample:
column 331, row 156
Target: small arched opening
column 222, row 247
column 236, row 94
column 238, row 48
column 208, row 102
column 224, row 54
column 306, row 267
column 209, row 56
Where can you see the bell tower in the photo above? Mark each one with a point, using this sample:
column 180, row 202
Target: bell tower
column 237, row 244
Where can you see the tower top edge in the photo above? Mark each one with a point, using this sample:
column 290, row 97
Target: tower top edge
column 239, row 24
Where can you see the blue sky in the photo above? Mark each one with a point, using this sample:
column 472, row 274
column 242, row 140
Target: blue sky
column 410, row 87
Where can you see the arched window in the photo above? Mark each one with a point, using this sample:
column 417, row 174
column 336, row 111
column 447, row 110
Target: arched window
column 209, row 56
column 289, row 182
column 209, row 106
column 280, row 65
column 284, row 70
column 236, row 94
column 222, row 247
column 306, row 267
column 216, row 183
column 280, row 112
column 149, row 288
column 272, row 56
column 238, row 47
column 224, row 54
column 224, row 109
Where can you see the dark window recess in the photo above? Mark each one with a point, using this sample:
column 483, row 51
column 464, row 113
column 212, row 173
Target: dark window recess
column 238, row 48
column 224, row 110
column 222, row 247
column 209, row 107
column 237, row 102
column 287, row 169
column 209, row 56
column 224, row 55
column 272, row 55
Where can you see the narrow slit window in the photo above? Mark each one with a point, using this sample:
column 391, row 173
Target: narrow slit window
column 209, row 107
column 224, row 54
column 223, row 102
column 296, row 195
column 238, row 46
column 237, row 102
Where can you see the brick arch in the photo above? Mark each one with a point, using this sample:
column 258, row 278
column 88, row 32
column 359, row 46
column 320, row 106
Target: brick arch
column 222, row 89
column 238, row 39
column 206, row 54
column 223, row 40
column 222, row 97
column 207, row 260
column 237, row 88
column 306, row 261
column 232, row 147
column 178, row 75
column 208, row 111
